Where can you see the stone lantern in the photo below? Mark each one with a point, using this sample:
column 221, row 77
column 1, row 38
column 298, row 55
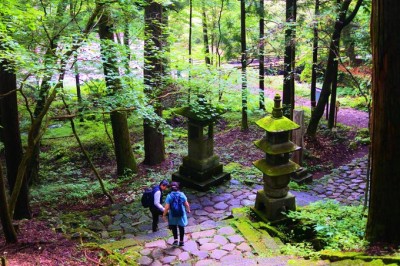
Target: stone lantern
column 200, row 168
column 277, row 169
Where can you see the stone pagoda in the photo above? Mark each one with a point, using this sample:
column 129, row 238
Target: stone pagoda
column 277, row 169
column 200, row 168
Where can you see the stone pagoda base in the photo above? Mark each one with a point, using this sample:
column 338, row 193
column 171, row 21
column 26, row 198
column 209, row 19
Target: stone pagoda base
column 200, row 174
column 270, row 209
column 202, row 184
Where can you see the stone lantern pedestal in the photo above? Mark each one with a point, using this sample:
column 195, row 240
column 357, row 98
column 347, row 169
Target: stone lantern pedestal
column 276, row 167
column 201, row 169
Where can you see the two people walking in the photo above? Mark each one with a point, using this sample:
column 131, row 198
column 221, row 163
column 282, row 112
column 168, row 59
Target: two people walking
column 176, row 207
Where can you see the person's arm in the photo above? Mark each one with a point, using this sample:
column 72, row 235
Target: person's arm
column 166, row 209
column 157, row 197
column 187, row 206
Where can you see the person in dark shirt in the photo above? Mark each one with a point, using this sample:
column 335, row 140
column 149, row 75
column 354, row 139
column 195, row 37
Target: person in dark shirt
column 157, row 208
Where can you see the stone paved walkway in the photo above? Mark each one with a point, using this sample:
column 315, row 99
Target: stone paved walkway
column 209, row 238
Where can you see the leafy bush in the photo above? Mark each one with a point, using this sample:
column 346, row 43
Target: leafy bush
column 61, row 192
column 337, row 227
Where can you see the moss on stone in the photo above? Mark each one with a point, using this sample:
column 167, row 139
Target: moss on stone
column 121, row 244
column 333, row 255
column 271, row 124
column 276, row 170
column 240, row 212
column 358, row 262
column 269, row 148
column 358, row 256
column 262, row 243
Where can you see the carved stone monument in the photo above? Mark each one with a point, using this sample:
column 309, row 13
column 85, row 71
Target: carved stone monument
column 277, row 169
column 201, row 168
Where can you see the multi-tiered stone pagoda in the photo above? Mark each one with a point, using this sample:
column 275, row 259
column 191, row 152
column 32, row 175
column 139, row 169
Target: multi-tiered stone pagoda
column 276, row 167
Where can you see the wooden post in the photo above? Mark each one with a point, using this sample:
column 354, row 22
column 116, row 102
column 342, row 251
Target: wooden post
column 297, row 136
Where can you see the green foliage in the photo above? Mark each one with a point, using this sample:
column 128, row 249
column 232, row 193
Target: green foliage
column 362, row 138
column 298, row 187
column 62, row 192
column 304, row 250
column 338, row 227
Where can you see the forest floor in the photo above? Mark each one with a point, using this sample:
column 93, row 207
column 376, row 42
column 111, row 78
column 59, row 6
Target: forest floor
column 40, row 244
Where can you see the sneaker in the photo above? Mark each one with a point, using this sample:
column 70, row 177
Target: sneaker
column 175, row 244
column 181, row 244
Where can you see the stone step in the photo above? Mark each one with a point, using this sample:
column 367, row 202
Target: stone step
column 263, row 243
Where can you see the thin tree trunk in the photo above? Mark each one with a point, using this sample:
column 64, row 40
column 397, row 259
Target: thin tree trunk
column 97, row 174
column 332, row 111
column 154, row 147
column 245, row 125
column 340, row 23
column 205, row 36
column 314, row 57
column 128, row 48
column 219, row 34
column 50, row 57
column 123, row 151
column 190, row 48
column 384, row 207
column 12, row 140
column 289, row 59
column 5, row 217
column 261, row 58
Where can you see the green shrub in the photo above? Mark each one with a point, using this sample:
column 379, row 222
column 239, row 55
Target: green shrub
column 337, row 227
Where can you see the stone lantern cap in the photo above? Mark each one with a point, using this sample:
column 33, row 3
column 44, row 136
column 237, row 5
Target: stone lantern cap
column 277, row 122
column 201, row 112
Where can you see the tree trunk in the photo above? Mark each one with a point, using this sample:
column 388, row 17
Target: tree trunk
column 332, row 110
column 289, row 59
column 205, row 36
column 314, row 57
column 190, row 48
column 261, row 58
column 119, row 124
column 340, row 23
column 245, row 124
column 50, row 59
column 127, row 47
column 12, row 140
column 153, row 71
column 5, row 217
column 384, row 206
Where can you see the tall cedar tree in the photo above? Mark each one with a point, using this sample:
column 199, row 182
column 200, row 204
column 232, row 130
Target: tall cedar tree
column 119, row 122
column 154, row 70
column 12, row 139
column 289, row 59
column 330, row 72
column 245, row 123
column 261, row 58
column 205, row 35
column 314, row 57
column 190, row 47
column 384, row 206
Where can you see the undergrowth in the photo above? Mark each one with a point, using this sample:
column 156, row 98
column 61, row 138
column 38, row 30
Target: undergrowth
column 329, row 225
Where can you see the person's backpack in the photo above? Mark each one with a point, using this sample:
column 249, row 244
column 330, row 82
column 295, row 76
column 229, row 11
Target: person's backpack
column 176, row 206
column 148, row 196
